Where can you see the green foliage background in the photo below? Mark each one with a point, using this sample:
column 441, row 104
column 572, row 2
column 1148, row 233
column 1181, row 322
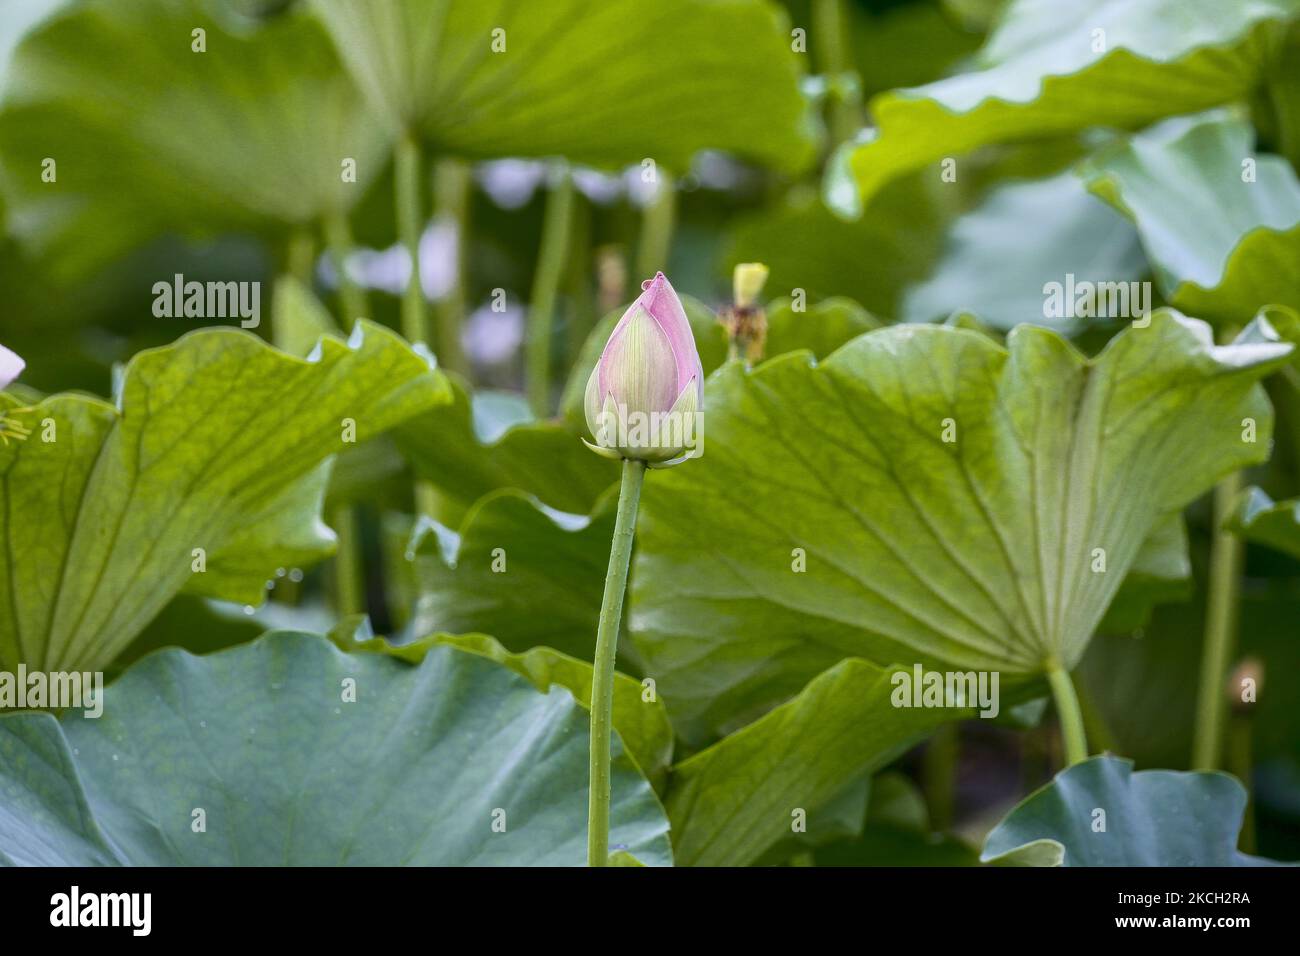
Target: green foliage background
column 325, row 498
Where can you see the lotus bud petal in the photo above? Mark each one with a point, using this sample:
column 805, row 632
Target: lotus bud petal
column 644, row 394
column 11, row 367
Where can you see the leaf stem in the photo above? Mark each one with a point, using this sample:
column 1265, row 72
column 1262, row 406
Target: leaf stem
column 407, row 163
column 602, row 682
column 352, row 298
column 830, row 36
column 939, row 775
column 1226, row 555
column 349, row 589
column 556, row 227
column 300, row 255
column 349, row 586
column 452, row 187
column 1068, row 713
column 657, row 223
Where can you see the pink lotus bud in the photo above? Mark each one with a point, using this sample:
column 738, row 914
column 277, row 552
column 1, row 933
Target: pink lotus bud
column 645, row 394
column 11, row 366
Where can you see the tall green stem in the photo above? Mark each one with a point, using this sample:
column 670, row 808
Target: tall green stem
column 1282, row 96
column 939, row 775
column 830, row 45
column 300, row 256
column 602, row 680
column 452, row 190
column 580, row 281
column 352, row 298
column 1220, row 626
column 1240, row 765
column 349, row 586
column 1068, row 713
column 556, row 227
column 657, row 224
column 409, row 219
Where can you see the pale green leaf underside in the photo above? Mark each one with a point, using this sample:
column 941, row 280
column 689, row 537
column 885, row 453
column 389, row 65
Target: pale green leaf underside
column 731, row 802
column 1152, row 818
column 415, row 771
column 250, row 134
column 1047, row 71
column 642, row 724
column 607, row 83
column 210, row 438
column 1161, row 573
column 1001, row 257
column 1222, row 244
column 979, row 552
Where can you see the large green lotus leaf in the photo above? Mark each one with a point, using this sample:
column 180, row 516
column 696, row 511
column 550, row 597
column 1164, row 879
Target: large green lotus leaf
column 731, row 802
column 1221, row 246
column 526, row 574
column 642, row 723
column 1100, row 813
column 1160, row 574
column 1001, row 256
column 205, row 440
column 1053, row 67
column 980, row 552
column 541, row 458
column 251, row 134
column 372, row 471
column 606, row 84
column 299, row 319
column 285, row 531
column 287, row 770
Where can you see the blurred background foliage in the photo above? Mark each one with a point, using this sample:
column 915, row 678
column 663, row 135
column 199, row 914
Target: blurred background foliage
column 677, row 136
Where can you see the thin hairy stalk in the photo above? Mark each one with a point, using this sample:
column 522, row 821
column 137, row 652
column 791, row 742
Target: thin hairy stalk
column 602, row 683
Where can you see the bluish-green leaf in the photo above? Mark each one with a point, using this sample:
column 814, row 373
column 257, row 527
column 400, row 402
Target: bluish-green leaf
column 298, row 754
column 1220, row 223
column 1101, row 813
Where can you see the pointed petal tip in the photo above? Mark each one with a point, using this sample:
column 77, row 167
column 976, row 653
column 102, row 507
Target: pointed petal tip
column 659, row 278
